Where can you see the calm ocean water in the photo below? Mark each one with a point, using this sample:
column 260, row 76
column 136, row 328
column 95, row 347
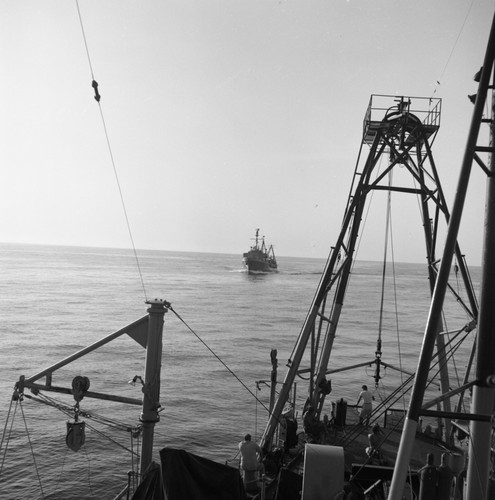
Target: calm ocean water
column 56, row 300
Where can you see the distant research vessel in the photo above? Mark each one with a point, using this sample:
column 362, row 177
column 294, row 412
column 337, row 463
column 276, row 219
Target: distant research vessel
column 260, row 259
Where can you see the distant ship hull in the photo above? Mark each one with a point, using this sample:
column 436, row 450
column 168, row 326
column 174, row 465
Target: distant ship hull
column 259, row 262
column 260, row 259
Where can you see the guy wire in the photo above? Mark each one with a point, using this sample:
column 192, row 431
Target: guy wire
column 219, row 359
column 97, row 98
column 453, row 48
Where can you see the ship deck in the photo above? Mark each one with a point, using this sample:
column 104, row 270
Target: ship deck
column 364, row 471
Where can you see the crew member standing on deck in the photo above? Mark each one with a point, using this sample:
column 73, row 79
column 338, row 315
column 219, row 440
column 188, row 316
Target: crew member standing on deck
column 373, row 450
column 368, row 399
column 445, row 479
column 251, row 455
column 428, row 477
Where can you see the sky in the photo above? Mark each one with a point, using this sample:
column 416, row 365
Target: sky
column 223, row 116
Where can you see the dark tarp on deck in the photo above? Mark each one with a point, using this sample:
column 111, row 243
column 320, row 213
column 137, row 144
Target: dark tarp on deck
column 188, row 477
column 150, row 488
column 289, row 485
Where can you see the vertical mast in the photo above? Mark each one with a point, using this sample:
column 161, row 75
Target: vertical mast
column 151, row 388
column 483, row 394
column 477, row 477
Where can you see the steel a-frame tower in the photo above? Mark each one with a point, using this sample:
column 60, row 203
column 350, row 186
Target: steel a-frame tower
column 400, row 130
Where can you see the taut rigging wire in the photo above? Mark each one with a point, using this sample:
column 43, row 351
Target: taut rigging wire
column 384, row 268
column 453, row 48
column 69, row 410
column 97, row 96
column 397, row 327
column 219, row 359
column 7, row 434
column 378, row 352
column 32, row 450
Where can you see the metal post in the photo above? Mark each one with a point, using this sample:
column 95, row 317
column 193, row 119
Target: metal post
column 273, row 378
column 273, row 390
column 483, row 396
column 151, row 388
column 410, row 425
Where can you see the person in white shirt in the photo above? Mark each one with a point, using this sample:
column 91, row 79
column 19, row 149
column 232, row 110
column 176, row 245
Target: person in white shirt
column 368, row 399
column 251, row 455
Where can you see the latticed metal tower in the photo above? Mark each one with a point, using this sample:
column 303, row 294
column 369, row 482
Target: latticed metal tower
column 401, row 131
